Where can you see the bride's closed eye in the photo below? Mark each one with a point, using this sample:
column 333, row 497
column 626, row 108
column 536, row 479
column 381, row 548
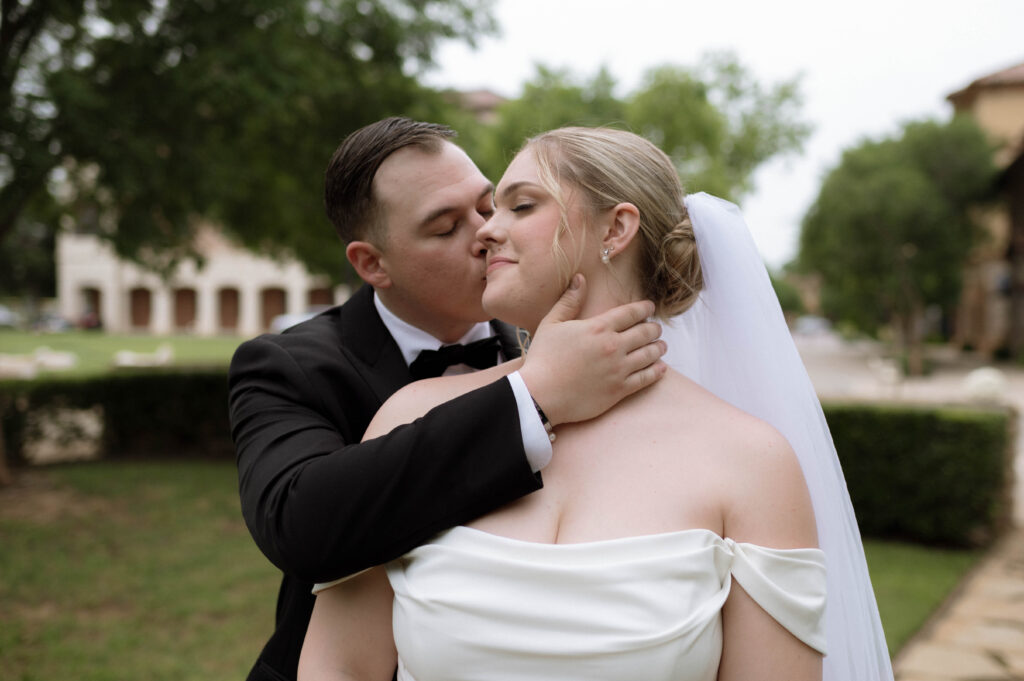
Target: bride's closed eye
column 524, row 206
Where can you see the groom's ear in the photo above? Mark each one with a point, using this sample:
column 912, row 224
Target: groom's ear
column 366, row 260
column 622, row 226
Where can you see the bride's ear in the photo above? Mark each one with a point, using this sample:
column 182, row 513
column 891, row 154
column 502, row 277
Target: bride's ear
column 622, row 226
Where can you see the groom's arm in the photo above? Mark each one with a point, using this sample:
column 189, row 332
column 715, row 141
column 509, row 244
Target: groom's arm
column 321, row 505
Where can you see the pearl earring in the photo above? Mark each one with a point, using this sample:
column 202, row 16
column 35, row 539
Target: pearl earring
column 605, row 256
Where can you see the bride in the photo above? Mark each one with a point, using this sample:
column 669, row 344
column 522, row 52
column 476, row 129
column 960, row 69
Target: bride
column 677, row 535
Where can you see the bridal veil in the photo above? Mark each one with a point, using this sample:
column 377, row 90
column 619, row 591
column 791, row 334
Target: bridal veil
column 734, row 342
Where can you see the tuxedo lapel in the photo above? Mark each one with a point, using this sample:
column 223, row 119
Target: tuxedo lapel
column 378, row 358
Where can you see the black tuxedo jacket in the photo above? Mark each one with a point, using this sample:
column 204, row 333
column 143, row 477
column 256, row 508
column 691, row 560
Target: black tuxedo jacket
column 322, row 505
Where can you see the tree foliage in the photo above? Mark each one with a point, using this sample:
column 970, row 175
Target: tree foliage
column 891, row 229
column 27, row 262
column 715, row 120
column 551, row 99
column 151, row 115
column 139, row 120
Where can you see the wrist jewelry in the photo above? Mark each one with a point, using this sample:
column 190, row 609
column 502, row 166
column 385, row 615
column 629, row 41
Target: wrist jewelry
column 550, row 429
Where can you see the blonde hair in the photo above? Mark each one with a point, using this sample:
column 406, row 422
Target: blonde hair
column 609, row 167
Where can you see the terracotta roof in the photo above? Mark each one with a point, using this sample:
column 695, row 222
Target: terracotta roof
column 1013, row 75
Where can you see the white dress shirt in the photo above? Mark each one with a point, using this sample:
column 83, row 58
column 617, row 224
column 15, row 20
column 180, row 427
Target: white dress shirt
column 412, row 340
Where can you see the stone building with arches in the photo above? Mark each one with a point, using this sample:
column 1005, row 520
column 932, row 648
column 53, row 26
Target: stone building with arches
column 235, row 293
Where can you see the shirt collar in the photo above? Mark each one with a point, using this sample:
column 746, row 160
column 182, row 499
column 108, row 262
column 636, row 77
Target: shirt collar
column 412, row 340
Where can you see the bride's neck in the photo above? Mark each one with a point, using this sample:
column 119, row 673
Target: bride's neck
column 608, row 291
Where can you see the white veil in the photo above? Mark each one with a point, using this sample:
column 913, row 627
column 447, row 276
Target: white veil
column 735, row 343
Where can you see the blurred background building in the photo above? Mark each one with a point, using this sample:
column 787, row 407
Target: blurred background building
column 991, row 311
column 234, row 292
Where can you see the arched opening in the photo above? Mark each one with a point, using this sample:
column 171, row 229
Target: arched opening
column 92, row 304
column 184, row 309
column 140, row 308
column 227, row 306
column 272, row 303
column 320, row 296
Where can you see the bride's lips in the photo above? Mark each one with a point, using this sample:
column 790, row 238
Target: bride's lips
column 496, row 262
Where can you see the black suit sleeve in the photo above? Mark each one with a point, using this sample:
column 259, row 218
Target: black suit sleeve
column 322, row 505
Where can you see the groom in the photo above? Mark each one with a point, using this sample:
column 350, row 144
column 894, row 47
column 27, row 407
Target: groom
column 319, row 503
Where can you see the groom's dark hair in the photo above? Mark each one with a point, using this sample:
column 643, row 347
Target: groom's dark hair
column 348, row 184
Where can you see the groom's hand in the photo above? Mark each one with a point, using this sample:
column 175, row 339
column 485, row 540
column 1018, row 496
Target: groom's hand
column 577, row 369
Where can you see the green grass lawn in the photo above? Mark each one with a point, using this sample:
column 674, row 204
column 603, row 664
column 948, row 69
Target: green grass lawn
column 130, row 571
column 95, row 350
column 910, row 582
column 112, row 570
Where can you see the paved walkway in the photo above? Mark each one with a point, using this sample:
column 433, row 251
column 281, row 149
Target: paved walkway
column 978, row 634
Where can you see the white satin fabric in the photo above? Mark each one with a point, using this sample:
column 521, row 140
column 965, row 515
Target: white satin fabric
column 476, row 606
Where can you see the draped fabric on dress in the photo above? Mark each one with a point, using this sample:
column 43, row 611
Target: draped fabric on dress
column 475, row 606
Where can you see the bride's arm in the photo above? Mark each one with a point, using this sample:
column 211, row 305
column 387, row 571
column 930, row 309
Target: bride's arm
column 349, row 636
column 769, row 506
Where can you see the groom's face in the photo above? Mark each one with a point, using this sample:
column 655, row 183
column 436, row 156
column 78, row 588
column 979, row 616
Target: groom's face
column 432, row 204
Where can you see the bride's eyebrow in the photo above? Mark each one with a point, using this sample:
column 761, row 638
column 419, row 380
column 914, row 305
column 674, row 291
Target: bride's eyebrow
column 510, row 189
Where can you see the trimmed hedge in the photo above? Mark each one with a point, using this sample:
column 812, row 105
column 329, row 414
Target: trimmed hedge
column 145, row 413
column 929, row 474
column 938, row 475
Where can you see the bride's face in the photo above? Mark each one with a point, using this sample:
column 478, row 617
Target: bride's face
column 524, row 277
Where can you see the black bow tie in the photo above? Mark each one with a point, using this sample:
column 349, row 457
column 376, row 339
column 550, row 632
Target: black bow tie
column 479, row 355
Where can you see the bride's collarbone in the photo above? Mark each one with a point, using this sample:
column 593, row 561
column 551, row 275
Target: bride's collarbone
column 553, row 516
column 663, row 486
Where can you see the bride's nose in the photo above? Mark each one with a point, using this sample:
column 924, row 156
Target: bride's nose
column 489, row 232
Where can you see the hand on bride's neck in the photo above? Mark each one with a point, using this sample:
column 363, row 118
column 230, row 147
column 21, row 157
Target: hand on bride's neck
column 609, row 287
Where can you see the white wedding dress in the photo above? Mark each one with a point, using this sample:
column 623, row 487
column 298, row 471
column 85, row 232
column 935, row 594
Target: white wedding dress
column 477, row 606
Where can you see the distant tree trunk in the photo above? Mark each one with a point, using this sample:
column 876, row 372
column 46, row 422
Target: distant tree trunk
column 911, row 338
column 5, row 472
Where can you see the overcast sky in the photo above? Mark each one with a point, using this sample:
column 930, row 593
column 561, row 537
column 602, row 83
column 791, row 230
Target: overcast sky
column 866, row 66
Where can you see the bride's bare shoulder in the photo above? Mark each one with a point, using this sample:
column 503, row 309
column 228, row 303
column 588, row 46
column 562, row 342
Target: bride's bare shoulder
column 744, row 445
column 766, row 497
column 417, row 398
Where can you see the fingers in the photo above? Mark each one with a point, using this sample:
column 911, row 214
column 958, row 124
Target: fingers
column 644, row 378
column 639, row 335
column 624, row 316
column 644, row 356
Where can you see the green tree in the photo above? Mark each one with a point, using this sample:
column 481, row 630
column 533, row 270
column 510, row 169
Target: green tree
column 891, row 229
column 715, row 120
column 787, row 293
column 551, row 99
column 152, row 115
column 27, row 263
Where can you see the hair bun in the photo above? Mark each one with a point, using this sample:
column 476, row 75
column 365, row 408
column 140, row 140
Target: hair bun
column 677, row 279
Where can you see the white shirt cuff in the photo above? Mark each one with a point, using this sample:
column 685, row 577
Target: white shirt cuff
column 535, row 439
column 323, row 586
